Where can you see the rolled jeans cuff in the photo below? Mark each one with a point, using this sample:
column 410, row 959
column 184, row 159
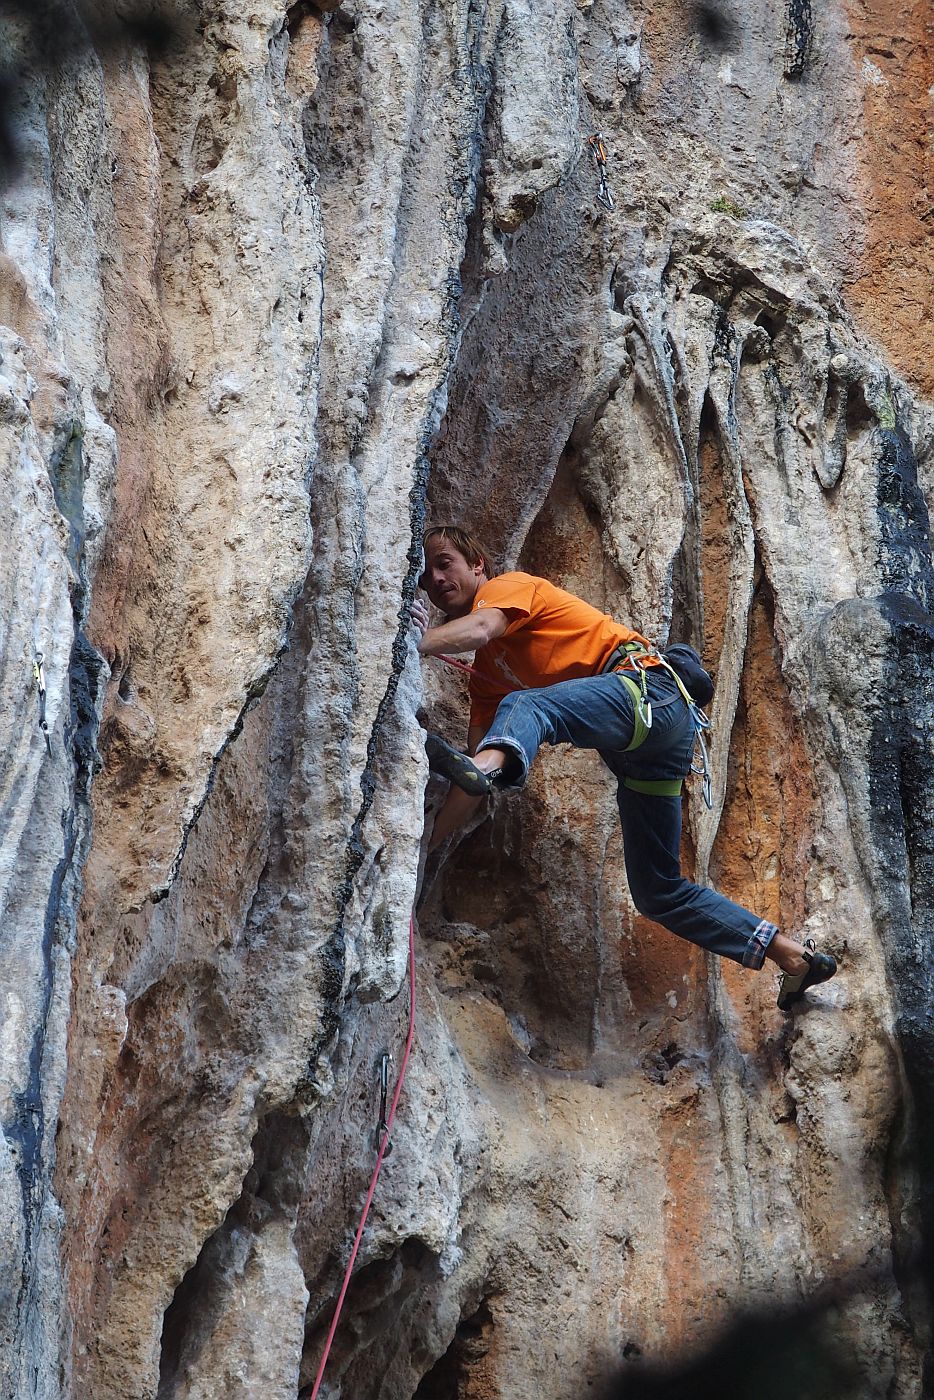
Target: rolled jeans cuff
column 494, row 741
column 759, row 940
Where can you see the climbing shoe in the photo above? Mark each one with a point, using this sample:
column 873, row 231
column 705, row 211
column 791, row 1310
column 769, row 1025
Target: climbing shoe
column 820, row 968
column 456, row 767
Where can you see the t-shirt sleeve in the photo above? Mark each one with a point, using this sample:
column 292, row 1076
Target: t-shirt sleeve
column 515, row 596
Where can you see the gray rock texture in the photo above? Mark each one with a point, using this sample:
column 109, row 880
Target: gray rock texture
column 271, row 295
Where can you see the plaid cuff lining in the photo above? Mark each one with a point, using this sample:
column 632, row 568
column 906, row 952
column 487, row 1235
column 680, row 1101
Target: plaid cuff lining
column 761, row 937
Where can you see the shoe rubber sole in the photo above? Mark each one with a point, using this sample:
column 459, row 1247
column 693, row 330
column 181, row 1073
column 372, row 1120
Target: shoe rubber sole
column 456, row 767
column 821, row 967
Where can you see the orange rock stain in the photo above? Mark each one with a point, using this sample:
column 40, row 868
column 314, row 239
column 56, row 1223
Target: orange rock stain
column 892, row 290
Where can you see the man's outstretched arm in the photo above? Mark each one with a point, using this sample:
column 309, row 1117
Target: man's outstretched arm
column 463, row 633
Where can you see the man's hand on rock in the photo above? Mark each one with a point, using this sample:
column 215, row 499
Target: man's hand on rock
column 420, row 617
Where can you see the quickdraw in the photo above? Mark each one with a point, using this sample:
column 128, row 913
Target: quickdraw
column 382, row 1127
column 38, row 673
column 702, row 770
column 597, row 144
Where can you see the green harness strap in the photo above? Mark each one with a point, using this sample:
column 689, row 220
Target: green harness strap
column 640, row 730
column 655, row 787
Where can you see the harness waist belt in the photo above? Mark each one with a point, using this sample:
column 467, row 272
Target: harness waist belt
column 620, row 663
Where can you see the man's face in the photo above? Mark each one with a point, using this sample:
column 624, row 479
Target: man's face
column 450, row 582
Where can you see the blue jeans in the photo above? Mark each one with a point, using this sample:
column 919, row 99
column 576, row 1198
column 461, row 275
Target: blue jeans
column 597, row 713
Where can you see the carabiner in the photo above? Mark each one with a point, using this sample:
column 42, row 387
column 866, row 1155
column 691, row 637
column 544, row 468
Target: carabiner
column 38, row 673
column 382, row 1128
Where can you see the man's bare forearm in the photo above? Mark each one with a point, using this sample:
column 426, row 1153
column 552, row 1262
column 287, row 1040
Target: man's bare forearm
column 463, row 633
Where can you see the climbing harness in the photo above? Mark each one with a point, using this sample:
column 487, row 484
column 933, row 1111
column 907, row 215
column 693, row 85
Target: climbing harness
column 38, row 672
column 382, row 1127
column 642, row 710
column 627, row 657
column 597, row 144
column 386, row 1122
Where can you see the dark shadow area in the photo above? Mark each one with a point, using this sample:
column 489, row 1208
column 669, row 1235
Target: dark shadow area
column 859, row 416
column 787, row 1352
column 716, row 26
column 377, row 1301
column 44, row 35
column 453, row 1371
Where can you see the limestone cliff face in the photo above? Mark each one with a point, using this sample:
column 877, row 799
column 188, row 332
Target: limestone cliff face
column 268, row 299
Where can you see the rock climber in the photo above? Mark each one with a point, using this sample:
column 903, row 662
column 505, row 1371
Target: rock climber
column 549, row 668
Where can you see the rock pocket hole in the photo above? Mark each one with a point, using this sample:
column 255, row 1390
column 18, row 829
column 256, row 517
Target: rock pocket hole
column 377, row 1300
column 448, row 1379
column 859, row 416
column 772, row 325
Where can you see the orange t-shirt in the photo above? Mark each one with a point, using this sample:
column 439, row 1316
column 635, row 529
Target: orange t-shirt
column 552, row 636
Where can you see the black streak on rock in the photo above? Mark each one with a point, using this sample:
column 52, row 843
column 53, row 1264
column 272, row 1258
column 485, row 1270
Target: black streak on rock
column 905, row 545
column 902, row 792
column 475, row 77
column 799, row 38
column 27, row 1128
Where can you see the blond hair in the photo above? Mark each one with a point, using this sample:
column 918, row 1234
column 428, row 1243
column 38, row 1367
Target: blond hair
column 463, row 542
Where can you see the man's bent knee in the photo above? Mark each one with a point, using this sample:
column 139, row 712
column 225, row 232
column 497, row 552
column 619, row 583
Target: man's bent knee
column 655, row 904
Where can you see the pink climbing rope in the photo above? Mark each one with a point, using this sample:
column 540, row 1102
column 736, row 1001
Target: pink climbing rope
column 471, row 670
column 461, row 665
column 379, row 1162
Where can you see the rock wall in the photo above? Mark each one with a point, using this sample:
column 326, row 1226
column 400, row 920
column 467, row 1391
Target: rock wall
column 269, row 297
